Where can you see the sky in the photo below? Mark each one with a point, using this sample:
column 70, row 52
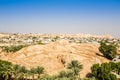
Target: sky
column 60, row 16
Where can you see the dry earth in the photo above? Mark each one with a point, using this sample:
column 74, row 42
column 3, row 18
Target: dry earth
column 51, row 55
column 3, row 35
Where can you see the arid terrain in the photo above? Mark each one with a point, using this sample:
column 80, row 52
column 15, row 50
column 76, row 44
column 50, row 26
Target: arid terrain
column 52, row 55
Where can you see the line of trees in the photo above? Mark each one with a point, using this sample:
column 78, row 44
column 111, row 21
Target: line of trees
column 12, row 48
column 72, row 73
column 9, row 71
column 104, row 71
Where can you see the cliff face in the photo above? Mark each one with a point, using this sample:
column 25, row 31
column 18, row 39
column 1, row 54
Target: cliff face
column 51, row 56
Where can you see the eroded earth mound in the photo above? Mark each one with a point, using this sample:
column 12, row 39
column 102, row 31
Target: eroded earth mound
column 55, row 56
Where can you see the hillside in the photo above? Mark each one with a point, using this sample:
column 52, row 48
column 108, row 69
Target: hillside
column 3, row 35
column 51, row 56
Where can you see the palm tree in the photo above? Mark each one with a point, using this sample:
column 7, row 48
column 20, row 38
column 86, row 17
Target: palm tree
column 23, row 71
column 7, row 74
column 62, row 74
column 39, row 70
column 33, row 72
column 75, row 66
column 16, row 69
column 6, row 70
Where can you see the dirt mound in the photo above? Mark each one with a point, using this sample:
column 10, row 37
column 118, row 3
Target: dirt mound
column 51, row 56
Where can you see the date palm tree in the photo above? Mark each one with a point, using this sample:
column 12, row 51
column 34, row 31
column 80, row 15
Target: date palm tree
column 75, row 66
column 22, row 71
column 33, row 72
column 39, row 71
column 16, row 69
column 6, row 70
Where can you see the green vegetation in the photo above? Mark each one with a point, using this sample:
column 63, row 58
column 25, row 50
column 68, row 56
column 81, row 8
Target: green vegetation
column 40, row 42
column 75, row 66
column 71, row 74
column 106, row 71
column 108, row 50
column 6, row 70
column 13, row 48
column 9, row 71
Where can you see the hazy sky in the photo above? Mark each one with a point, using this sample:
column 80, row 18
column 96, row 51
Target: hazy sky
column 60, row 16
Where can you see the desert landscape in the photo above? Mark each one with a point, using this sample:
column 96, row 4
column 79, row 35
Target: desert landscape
column 59, row 40
column 54, row 52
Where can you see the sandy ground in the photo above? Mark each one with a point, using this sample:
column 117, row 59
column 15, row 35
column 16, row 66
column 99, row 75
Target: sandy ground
column 50, row 56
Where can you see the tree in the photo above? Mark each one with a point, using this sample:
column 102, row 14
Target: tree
column 75, row 66
column 118, row 68
column 23, row 72
column 63, row 74
column 95, row 70
column 112, row 65
column 103, row 71
column 33, row 72
column 39, row 70
column 13, row 48
column 113, row 77
column 6, row 70
column 16, row 69
column 47, row 77
column 70, row 74
column 108, row 50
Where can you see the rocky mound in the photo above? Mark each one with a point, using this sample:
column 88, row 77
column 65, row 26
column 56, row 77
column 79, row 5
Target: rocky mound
column 55, row 56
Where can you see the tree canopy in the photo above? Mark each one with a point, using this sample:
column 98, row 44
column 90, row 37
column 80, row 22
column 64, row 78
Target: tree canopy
column 106, row 71
column 108, row 50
